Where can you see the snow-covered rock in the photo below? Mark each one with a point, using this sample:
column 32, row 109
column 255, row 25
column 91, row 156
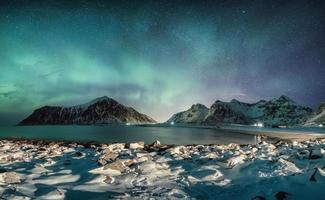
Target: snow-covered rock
column 10, row 178
column 136, row 145
column 316, row 153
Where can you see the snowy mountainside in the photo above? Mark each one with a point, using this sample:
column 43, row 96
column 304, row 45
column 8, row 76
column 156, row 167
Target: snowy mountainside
column 99, row 111
column 281, row 111
column 318, row 117
column 196, row 114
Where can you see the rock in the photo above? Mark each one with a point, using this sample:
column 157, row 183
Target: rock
column 304, row 154
column 101, row 162
column 288, row 168
column 109, row 156
column 128, row 162
column 143, row 159
column 254, row 149
column 177, row 150
column 10, row 178
column 156, row 144
column 136, row 145
column 316, row 153
column 109, row 180
column 271, row 147
column 281, row 195
column 42, row 149
column 117, row 165
column 116, row 146
column 235, row 160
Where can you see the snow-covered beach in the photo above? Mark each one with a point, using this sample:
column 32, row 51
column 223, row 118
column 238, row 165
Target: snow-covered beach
column 33, row 169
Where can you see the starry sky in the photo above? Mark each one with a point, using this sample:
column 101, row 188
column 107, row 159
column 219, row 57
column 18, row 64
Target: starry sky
column 158, row 56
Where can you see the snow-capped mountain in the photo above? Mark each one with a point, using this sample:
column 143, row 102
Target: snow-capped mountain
column 318, row 117
column 276, row 112
column 99, row 111
column 196, row 115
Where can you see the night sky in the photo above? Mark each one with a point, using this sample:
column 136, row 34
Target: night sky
column 159, row 57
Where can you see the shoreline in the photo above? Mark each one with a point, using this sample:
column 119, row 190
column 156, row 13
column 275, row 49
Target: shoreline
column 279, row 135
column 41, row 169
column 227, row 131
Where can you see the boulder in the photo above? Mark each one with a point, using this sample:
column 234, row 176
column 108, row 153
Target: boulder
column 235, row 160
column 136, row 145
column 316, row 153
column 116, row 146
column 155, row 144
column 117, row 165
column 109, row 180
column 110, row 156
column 10, row 178
column 101, row 162
column 304, row 154
column 107, row 157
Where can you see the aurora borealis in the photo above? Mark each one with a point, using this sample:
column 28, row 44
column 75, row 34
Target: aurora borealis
column 159, row 57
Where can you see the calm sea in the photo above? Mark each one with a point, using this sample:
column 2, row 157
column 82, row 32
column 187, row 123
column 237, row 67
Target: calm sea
column 123, row 133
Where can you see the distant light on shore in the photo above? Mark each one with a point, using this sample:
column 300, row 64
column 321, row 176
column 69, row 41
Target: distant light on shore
column 259, row 124
column 128, row 124
column 172, row 123
column 320, row 125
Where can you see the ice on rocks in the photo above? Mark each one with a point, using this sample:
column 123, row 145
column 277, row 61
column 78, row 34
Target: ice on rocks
column 10, row 178
column 141, row 171
column 232, row 162
column 136, row 145
column 117, row 165
column 205, row 173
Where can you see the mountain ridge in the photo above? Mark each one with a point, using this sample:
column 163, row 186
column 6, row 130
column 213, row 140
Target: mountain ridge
column 102, row 110
column 282, row 111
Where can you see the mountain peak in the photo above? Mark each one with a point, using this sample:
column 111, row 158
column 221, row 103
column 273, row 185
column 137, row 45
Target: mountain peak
column 234, row 101
column 94, row 101
column 103, row 98
column 198, row 106
column 218, row 102
column 284, row 98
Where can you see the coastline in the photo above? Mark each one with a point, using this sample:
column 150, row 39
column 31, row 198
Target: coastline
column 276, row 134
column 280, row 135
column 41, row 169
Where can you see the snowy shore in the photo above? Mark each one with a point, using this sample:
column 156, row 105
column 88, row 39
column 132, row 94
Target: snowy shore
column 60, row 170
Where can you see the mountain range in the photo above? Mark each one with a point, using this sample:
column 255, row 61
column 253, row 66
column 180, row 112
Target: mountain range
column 281, row 111
column 102, row 110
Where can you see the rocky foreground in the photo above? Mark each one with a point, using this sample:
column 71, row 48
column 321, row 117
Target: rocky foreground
column 60, row 170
